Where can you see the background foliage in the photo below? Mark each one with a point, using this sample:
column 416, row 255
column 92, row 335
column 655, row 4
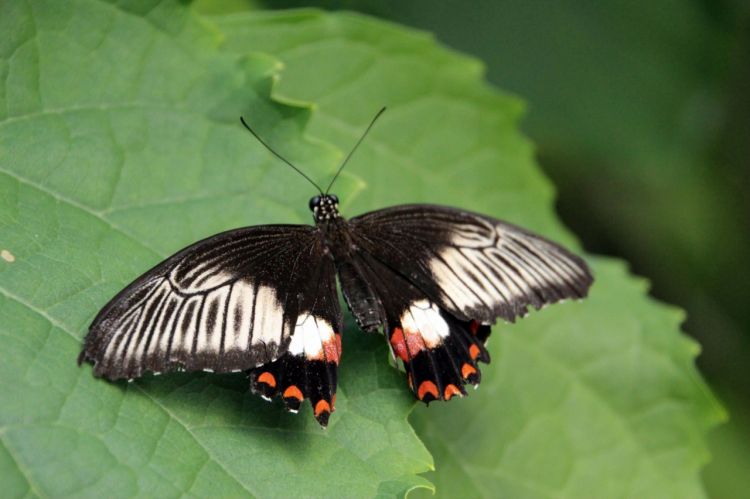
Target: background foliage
column 119, row 143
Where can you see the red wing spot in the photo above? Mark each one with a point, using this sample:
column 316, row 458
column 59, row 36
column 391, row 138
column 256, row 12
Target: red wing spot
column 415, row 342
column 268, row 379
column 474, row 327
column 293, row 392
column 427, row 387
column 399, row 345
column 467, row 370
column 322, row 406
column 338, row 343
column 332, row 349
column 450, row 391
column 407, row 344
column 474, row 351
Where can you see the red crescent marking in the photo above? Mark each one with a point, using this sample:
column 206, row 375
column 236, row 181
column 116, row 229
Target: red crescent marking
column 322, row 406
column 399, row 345
column 467, row 370
column 268, row 379
column 450, row 391
column 332, row 349
column 427, row 387
column 474, row 351
column 293, row 392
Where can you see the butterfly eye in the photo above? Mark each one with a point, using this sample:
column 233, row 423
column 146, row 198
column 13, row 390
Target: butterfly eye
column 334, row 198
column 314, row 202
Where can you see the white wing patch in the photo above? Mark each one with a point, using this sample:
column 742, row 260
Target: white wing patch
column 423, row 318
column 504, row 271
column 216, row 330
column 312, row 337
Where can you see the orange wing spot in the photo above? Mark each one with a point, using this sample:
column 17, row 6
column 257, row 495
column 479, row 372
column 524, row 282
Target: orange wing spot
column 322, row 406
column 450, row 391
column 338, row 343
column 474, row 327
column 268, row 379
column 427, row 387
column 467, row 370
column 474, row 351
column 293, row 392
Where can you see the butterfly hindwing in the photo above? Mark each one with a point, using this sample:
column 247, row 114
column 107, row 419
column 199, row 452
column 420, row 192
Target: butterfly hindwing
column 236, row 301
column 309, row 367
column 438, row 351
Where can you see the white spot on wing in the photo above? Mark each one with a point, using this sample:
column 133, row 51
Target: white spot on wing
column 309, row 334
column 423, row 318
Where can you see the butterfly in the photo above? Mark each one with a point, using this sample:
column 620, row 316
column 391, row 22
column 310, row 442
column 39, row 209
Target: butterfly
column 263, row 300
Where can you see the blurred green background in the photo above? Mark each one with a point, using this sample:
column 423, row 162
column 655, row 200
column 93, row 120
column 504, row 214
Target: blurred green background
column 640, row 114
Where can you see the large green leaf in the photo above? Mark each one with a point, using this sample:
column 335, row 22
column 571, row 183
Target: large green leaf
column 598, row 399
column 119, row 143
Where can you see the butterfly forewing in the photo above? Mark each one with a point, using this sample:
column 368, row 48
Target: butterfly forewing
column 475, row 267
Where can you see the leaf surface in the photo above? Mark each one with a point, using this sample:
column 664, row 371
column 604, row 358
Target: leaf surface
column 120, row 143
column 593, row 399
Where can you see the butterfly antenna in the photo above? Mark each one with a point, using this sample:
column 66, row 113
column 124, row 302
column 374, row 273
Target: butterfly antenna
column 355, row 148
column 282, row 158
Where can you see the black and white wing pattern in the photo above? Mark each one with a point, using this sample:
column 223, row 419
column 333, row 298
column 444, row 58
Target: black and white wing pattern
column 441, row 277
column 259, row 299
column 474, row 266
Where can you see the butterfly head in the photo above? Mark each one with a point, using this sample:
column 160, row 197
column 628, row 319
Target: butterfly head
column 325, row 207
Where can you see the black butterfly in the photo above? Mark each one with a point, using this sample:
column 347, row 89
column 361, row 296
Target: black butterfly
column 263, row 299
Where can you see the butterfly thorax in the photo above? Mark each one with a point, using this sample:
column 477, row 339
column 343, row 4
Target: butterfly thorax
column 325, row 208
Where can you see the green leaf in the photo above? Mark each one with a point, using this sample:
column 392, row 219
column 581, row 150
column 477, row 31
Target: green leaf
column 592, row 399
column 119, row 144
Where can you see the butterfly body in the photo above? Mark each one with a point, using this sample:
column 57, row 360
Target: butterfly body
column 263, row 300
